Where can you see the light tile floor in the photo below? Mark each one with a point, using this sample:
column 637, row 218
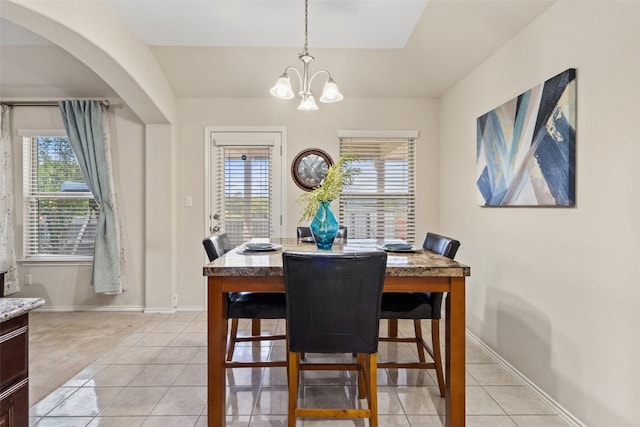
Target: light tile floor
column 157, row 377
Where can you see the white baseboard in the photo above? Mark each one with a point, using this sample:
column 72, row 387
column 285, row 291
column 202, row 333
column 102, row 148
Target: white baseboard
column 88, row 308
column 191, row 308
column 159, row 310
column 562, row 412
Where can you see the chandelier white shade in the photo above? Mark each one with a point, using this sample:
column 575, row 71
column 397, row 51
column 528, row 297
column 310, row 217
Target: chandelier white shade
column 282, row 89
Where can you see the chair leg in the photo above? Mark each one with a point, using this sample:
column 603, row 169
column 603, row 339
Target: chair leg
column 256, row 330
column 392, row 327
column 293, row 377
column 372, row 389
column 417, row 326
column 361, row 365
column 231, row 345
column 437, row 358
column 286, row 347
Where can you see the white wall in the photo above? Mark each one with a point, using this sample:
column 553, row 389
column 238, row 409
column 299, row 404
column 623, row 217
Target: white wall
column 316, row 129
column 66, row 286
column 149, row 163
column 151, row 284
column 554, row 291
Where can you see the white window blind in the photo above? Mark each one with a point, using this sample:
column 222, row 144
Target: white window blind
column 60, row 213
column 380, row 203
column 244, row 185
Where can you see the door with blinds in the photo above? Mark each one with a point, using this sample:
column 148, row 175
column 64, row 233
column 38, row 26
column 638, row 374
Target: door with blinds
column 245, row 183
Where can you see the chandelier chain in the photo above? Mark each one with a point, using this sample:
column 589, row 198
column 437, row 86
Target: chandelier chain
column 306, row 23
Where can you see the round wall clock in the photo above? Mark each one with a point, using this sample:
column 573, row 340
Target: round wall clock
column 309, row 168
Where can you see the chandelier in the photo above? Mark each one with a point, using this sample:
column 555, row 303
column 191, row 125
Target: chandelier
column 282, row 88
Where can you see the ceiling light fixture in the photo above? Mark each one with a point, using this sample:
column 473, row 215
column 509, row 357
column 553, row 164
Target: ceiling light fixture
column 282, row 88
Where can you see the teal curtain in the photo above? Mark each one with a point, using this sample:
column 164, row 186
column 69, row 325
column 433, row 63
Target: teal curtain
column 87, row 128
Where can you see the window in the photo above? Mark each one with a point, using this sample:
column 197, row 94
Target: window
column 60, row 213
column 381, row 201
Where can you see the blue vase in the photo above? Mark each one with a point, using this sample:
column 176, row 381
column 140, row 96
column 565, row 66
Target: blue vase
column 324, row 226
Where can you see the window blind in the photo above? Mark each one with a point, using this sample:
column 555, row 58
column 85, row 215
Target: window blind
column 60, row 213
column 244, row 189
column 380, row 203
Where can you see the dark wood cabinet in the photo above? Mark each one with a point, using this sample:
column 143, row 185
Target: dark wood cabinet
column 14, row 372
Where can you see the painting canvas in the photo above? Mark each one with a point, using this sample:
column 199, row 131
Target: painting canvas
column 526, row 147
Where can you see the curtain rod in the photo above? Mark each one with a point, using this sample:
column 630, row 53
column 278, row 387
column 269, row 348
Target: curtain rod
column 46, row 103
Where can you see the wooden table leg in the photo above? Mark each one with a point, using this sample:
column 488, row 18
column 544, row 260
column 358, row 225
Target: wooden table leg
column 216, row 346
column 455, row 354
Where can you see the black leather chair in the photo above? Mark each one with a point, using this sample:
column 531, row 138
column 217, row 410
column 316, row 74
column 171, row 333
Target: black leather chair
column 417, row 306
column 246, row 305
column 333, row 306
column 306, row 232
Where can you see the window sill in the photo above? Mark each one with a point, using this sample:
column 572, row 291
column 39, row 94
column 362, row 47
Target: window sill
column 55, row 261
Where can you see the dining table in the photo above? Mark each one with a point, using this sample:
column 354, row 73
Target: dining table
column 415, row 270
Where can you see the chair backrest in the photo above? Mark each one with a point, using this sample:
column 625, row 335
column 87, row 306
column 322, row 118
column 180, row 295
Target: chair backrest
column 342, row 233
column 306, row 232
column 217, row 245
column 210, row 248
column 442, row 245
column 303, row 232
column 333, row 301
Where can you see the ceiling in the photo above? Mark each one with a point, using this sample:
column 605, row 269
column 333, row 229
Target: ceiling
column 238, row 48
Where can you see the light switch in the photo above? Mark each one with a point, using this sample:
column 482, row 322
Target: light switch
column 188, row 201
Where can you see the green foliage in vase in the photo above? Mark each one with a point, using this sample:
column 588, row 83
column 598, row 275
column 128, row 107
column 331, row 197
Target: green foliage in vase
column 339, row 175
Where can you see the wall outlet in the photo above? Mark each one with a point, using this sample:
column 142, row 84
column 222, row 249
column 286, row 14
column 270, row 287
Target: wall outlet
column 28, row 279
column 174, row 299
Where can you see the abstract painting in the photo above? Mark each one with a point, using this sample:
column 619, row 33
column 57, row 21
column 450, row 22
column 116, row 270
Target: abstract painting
column 526, row 147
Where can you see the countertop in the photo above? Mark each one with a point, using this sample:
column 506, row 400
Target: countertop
column 14, row 307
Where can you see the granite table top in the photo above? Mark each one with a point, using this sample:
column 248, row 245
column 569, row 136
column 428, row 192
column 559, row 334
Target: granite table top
column 14, row 307
column 418, row 263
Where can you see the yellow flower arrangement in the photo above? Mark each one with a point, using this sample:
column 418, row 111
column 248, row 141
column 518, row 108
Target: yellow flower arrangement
column 339, row 175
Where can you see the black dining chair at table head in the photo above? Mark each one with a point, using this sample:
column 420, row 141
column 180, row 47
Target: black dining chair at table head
column 417, row 306
column 302, row 232
column 246, row 305
column 333, row 306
